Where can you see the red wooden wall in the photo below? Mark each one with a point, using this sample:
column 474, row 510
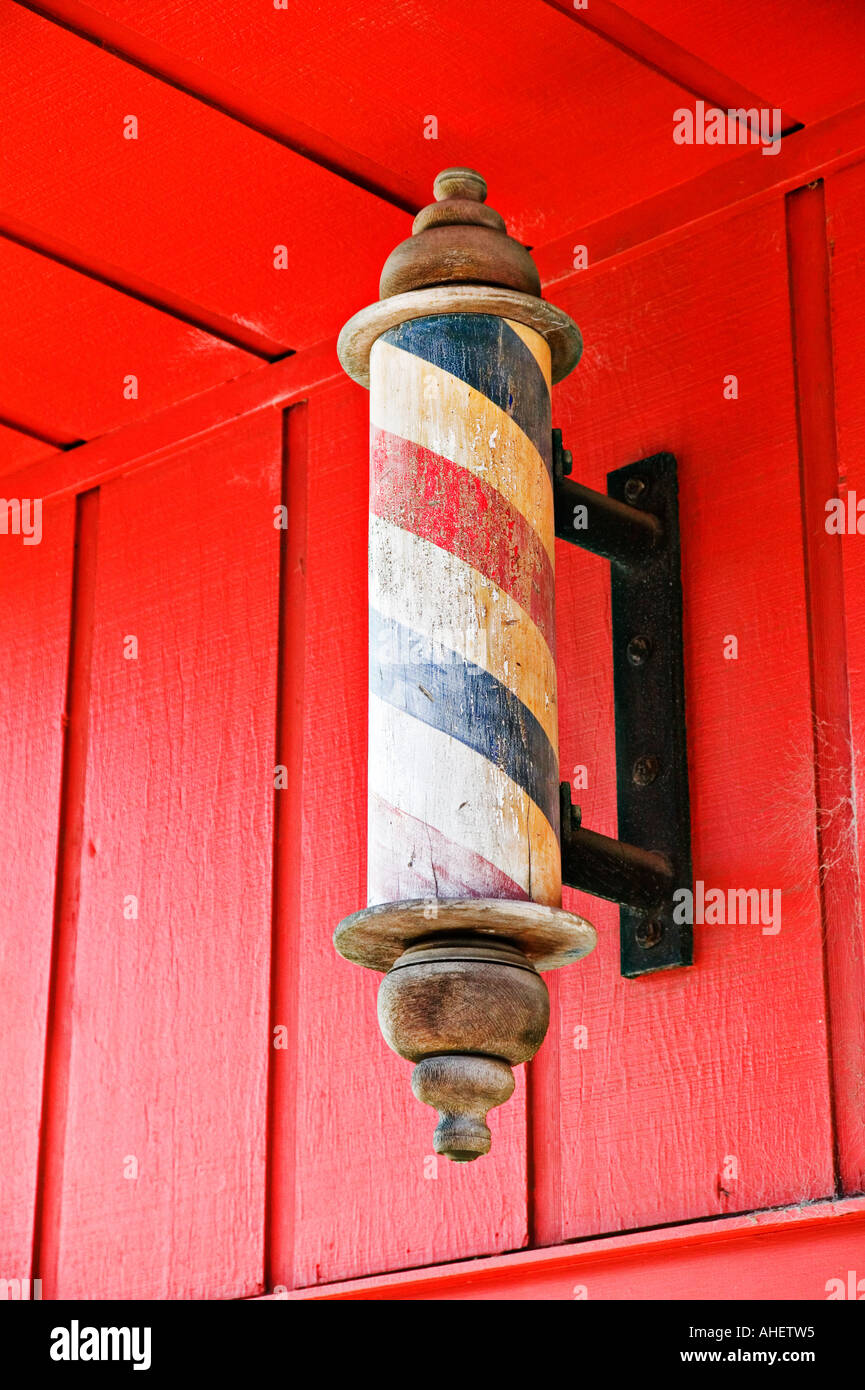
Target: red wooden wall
column 199, row 1103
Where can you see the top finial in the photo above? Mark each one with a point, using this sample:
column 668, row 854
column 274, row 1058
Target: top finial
column 460, row 183
column 459, row 259
column 459, row 240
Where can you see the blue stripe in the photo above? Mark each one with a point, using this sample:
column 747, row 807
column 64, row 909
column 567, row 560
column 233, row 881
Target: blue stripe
column 485, row 352
column 438, row 686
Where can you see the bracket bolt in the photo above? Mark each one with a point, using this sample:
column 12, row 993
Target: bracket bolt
column 646, row 770
column 634, row 489
column 648, row 934
column 639, row 649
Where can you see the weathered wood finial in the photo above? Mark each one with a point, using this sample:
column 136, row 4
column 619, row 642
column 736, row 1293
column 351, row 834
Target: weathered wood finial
column 460, row 183
column 459, row 240
column 462, row 997
column 462, row 1089
column 466, row 1009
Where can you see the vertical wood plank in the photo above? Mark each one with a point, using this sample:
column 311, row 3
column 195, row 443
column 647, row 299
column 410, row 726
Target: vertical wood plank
column 845, row 746
column 288, row 851
column 163, row 1172
column 699, row 1091
column 60, row 1023
column 35, row 581
column 370, row 1195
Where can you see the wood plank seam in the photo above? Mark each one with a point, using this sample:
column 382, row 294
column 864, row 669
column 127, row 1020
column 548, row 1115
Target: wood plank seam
column 148, row 442
column 287, row 851
column 137, row 288
column 739, row 184
column 34, row 432
column 60, row 1020
column 543, row 1145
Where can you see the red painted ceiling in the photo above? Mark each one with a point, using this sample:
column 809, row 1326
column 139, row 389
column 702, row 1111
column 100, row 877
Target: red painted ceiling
column 304, row 127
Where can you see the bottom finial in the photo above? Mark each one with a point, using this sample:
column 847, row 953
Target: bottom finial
column 466, row 1009
column 462, row 1088
column 462, row 997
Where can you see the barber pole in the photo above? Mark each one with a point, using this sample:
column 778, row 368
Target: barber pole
column 463, row 743
column 464, row 859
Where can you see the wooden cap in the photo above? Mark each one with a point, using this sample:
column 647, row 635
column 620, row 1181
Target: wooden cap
column 459, row 260
column 457, row 240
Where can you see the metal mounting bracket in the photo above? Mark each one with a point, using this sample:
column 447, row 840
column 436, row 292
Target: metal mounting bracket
column 635, row 525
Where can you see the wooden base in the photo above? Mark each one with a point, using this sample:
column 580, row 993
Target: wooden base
column 462, row 997
column 548, row 936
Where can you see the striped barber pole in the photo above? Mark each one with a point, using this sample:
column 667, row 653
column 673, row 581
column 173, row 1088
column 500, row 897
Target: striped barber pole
column 463, row 734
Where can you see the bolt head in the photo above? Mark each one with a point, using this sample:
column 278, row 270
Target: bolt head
column 646, row 770
column 649, row 933
column 634, row 489
column 639, row 649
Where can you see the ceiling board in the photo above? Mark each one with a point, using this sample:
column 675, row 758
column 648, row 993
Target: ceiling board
column 68, row 342
column 196, row 203
column 565, row 127
column 805, row 56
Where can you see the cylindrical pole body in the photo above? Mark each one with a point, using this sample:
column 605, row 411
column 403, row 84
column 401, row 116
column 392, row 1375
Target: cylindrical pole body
column 463, row 736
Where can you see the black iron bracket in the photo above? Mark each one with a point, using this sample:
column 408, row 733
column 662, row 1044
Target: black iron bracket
column 635, row 525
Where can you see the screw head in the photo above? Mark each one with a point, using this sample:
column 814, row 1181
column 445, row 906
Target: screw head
column 648, row 934
column 639, row 649
column 634, row 489
column 646, row 770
